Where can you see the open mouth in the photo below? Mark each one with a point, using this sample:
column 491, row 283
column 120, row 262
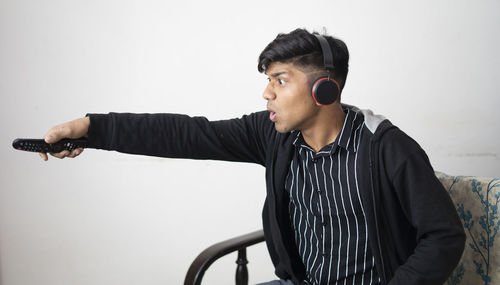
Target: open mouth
column 272, row 115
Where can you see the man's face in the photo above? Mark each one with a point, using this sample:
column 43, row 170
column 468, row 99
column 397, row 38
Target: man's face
column 289, row 100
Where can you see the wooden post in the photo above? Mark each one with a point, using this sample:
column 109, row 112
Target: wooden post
column 241, row 270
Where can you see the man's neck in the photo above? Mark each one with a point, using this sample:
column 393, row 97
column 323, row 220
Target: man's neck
column 326, row 129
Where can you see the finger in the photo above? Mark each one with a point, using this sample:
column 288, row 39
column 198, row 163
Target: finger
column 44, row 156
column 57, row 133
column 61, row 154
column 75, row 153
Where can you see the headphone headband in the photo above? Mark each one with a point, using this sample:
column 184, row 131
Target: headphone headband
column 325, row 90
column 327, row 53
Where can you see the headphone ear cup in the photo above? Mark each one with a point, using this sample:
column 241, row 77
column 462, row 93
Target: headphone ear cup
column 325, row 91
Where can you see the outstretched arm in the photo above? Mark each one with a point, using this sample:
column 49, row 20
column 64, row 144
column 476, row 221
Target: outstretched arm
column 170, row 135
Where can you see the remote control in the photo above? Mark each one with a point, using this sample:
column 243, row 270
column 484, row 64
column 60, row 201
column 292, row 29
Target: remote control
column 39, row 145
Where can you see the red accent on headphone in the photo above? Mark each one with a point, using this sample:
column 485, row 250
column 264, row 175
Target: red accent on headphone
column 315, row 86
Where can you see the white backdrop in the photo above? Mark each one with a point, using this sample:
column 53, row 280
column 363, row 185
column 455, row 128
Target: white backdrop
column 432, row 67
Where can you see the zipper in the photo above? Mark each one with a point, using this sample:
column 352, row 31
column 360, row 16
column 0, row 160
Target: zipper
column 374, row 204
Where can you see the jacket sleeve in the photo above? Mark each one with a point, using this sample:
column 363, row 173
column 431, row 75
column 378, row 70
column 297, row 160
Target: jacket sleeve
column 181, row 136
column 440, row 237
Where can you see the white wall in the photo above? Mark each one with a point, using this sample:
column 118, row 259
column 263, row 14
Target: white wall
column 432, row 67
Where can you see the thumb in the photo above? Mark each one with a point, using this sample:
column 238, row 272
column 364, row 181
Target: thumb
column 57, row 133
column 70, row 130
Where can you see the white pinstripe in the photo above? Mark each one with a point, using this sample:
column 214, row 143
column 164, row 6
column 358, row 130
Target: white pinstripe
column 322, row 216
column 308, row 223
column 322, row 227
column 347, row 219
column 314, row 216
column 331, row 222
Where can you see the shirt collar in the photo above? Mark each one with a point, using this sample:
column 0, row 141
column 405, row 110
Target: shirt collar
column 345, row 139
column 347, row 135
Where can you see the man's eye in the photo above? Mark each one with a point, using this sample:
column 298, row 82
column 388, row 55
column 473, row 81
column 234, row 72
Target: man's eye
column 281, row 81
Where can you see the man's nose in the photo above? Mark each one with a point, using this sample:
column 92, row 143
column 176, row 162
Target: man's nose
column 268, row 93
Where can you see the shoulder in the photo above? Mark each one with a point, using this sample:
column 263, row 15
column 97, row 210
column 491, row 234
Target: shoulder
column 381, row 130
column 397, row 151
column 371, row 121
column 395, row 141
column 390, row 145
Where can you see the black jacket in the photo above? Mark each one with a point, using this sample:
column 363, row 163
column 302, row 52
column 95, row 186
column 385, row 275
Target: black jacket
column 414, row 231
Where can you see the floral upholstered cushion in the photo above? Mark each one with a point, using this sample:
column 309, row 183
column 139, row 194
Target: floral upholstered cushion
column 476, row 200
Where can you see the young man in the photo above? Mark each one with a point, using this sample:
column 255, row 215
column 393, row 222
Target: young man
column 351, row 199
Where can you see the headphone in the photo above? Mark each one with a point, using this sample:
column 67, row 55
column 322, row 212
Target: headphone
column 325, row 90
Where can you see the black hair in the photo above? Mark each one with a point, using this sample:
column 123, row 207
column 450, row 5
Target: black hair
column 303, row 50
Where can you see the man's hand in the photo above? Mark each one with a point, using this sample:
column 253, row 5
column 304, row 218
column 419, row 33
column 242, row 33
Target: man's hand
column 71, row 130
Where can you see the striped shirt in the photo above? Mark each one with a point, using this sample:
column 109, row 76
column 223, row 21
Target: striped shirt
column 326, row 210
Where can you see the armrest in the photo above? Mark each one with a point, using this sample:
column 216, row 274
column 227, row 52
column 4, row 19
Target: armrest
column 218, row 250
